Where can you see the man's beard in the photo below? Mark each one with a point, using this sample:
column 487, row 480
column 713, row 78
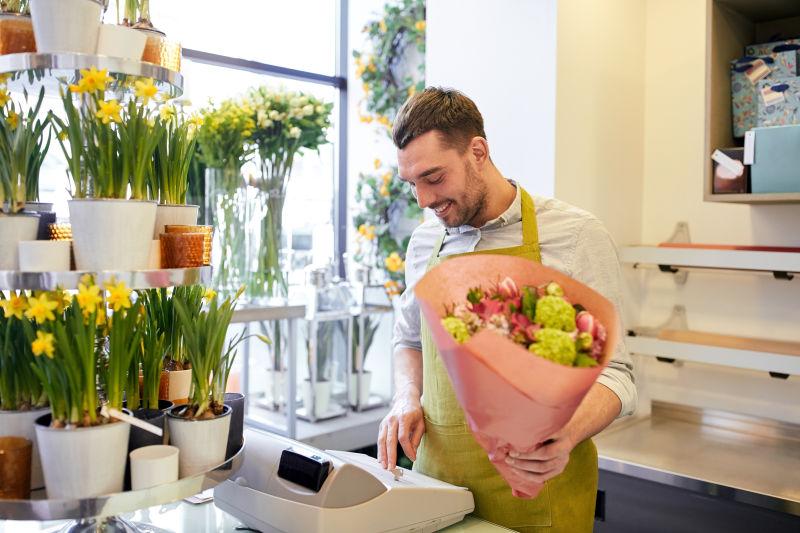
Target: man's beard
column 473, row 201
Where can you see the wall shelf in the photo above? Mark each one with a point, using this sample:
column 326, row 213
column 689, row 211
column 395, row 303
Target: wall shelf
column 767, row 198
column 781, row 264
column 778, row 365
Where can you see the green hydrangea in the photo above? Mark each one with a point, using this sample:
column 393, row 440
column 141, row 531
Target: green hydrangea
column 555, row 345
column 457, row 328
column 555, row 312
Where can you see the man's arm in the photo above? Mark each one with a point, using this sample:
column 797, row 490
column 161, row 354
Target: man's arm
column 405, row 422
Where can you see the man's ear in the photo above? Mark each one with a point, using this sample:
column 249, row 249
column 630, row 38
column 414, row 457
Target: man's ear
column 479, row 149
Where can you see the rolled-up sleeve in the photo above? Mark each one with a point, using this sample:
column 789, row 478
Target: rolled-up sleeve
column 407, row 320
column 596, row 263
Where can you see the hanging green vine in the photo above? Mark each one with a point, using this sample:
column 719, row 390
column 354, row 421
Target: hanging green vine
column 381, row 68
column 388, row 80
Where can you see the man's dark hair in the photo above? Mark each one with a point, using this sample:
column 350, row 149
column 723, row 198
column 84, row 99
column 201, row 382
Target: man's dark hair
column 447, row 111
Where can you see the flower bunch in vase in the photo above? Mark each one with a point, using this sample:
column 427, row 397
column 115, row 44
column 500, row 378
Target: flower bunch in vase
column 223, row 148
column 286, row 123
column 110, row 147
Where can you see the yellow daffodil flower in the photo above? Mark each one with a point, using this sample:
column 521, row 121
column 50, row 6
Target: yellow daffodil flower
column 384, row 191
column 394, row 263
column 13, row 119
column 145, row 89
column 210, row 294
column 4, row 97
column 63, row 299
column 119, row 296
column 15, row 306
column 366, row 119
column 382, row 26
column 5, row 77
column 109, row 111
column 196, row 120
column 377, row 163
column 387, row 178
column 102, row 319
column 94, row 80
column 167, row 112
column 412, row 90
column 88, row 298
column 383, row 119
column 41, row 309
column 63, row 135
column 43, row 345
column 420, row 25
column 392, row 288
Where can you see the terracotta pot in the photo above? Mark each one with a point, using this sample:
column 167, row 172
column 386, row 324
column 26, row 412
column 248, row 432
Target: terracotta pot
column 16, row 34
column 22, row 424
column 175, row 385
column 161, row 51
column 15, row 468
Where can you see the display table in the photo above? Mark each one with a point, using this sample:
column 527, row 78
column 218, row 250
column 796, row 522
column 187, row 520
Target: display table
column 206, row 518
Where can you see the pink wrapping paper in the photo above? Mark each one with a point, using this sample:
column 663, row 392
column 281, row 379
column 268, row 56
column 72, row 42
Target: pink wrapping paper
column 512, row 399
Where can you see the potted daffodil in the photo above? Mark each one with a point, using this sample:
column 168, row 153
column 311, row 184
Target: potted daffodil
column 200, row 429
column 75, row 438
column 109, row 148
column 66, row 25
column 121, row 39
column 24, row 141
column 22, row 397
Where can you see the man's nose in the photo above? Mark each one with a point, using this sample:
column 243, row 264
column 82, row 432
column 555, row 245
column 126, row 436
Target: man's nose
column 424, row 197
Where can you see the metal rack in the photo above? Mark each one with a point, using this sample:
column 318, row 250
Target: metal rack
column 135, row 279
column 33, row 70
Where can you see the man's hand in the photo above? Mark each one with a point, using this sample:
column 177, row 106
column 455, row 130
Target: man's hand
column 404, row 423
column 548, row 460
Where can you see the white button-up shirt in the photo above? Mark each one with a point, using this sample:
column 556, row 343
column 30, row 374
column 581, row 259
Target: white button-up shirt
column 571, row 240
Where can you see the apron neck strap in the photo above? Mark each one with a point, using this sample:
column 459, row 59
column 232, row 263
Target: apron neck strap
column 530, row 230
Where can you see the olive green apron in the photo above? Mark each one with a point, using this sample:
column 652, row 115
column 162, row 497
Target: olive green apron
column 449, row 452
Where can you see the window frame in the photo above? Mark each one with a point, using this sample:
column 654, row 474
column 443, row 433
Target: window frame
column 339, row 82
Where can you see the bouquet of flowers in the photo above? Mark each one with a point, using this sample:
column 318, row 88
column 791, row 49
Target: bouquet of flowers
column 520, row 360
column 541, row 319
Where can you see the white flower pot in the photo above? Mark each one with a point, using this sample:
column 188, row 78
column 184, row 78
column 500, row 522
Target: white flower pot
column 322, row 397
column 154, row 263
column 120, row 41
column 83, row 462
column 66, row 25
column 22, row 424
column 152, row 466
column 112, row 234
column 202, row 443
column 175, row 386
column 44, row 256
column 13, row 229
column 363, row 391
column 174, row 215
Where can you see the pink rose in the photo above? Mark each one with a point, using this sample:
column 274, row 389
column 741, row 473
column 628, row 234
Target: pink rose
column 508, row 289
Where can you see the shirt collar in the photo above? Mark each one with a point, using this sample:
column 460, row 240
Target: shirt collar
column 512, row 215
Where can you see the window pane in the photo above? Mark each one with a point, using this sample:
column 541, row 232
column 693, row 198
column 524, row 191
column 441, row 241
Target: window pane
column 298, row 34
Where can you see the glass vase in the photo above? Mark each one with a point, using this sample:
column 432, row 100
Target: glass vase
column 267, row 258
column 226, row 210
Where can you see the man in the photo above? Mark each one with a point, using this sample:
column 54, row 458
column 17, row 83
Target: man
column 443, row 156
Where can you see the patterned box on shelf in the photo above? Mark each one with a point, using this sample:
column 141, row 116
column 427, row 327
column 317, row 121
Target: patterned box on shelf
column 746, row 73
column 776, row 160
column 763, row 49
column 778, row 102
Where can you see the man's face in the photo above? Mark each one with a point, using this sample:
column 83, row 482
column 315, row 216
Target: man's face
column 444, row 180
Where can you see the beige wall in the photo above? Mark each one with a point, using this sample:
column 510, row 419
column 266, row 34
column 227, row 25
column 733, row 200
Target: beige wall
column 599, row 110
column 674, row 160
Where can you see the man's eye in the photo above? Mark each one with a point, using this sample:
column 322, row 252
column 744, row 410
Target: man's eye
column 437, row 180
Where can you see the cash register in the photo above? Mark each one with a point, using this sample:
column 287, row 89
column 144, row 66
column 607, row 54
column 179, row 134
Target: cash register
column 285, row 486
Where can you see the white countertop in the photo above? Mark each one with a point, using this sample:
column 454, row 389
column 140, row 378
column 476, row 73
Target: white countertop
column 184, row 517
